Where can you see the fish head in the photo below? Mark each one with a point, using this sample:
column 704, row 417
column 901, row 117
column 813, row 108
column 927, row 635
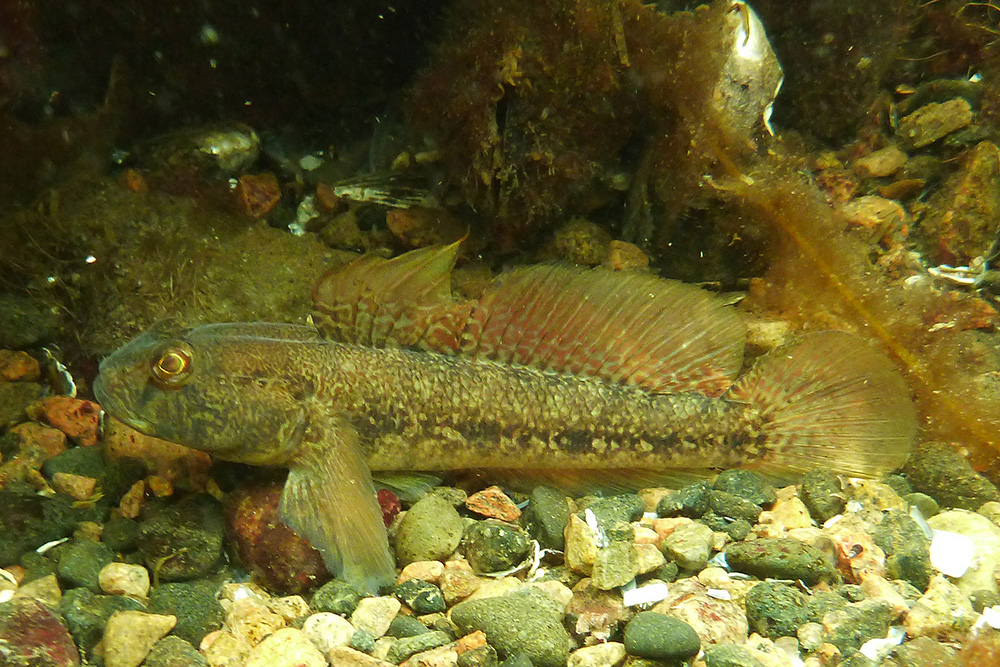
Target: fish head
column 225, row 389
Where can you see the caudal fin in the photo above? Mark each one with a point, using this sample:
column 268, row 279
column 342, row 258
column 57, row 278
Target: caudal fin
column 830, row 401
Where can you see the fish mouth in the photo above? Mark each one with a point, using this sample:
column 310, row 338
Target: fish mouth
column 112, row 406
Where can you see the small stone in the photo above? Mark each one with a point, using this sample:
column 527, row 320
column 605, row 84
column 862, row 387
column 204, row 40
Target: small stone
column 337, row 597
column 810, row 636
column 194, row 604
column 430, row 530
column 421, row 596
column 730, row 655
column 623, row 508
column 426, row 570
column 130, row 635
column 75, row 417
column 327, row 630
column 375, row 614
column 364, row 641
column 883, row 162
column 648, row 558
column 581, row 546
column 851, row 626
column 183, row 540
column 174, row 652
column 660, row 637
column 615, row 565
column 598, row 613
column 600, row 655
column 779, row 558
column 775, row 610
column 494, row 546
column 493, row 503
column 788, row 511
column 922, row 652
column 933, row 121
column 581, row 242
column 290, row 607
column 222, row 649
column 32, row 635
column 873, row 216
column 945, row 475
column 16, row 398
column 690, row 501
column 526, row 621
column 822, row 494
column 984, row 537
column 124, row 579
column 87, row 614
column 76, row 487
column 80, row 563
column 733, row 507
column 19, row 366
column 942, row 613
column 746, row 484
column 287, row 647
column 624, row 256
column 410, row 646
column 250, row 620
column 344, row 656
column 689, row 545
column 926, row 505
column 483, row 656
column 405, row 626
column 458, row 581
column 258, row 194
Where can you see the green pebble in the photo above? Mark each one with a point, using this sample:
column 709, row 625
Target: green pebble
column 729, row 655
column 86, row 614
column 481, row 656
column 363, row 641
column 746, row 484
column 184, row 540
column 337, row 597
column 194, row 604
column 780, row 558
column 776, row 610
column 733, row 507
column 660, row 637
column 546, row 517
column 945, row 475
column 405, row 626
column 174, row 652
column 430, row 530
column 495, row 546
column 81, row 562
column 409, row 646
column 822, row 495
column 690, row 501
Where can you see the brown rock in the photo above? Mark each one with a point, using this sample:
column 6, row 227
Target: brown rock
column 492, row 502
column 623, row 256
column 164, row 459
column 258, row 194
column 934, row 121
column 77, row 487
column 884, row 162
column 19, row 366
column 75, row 417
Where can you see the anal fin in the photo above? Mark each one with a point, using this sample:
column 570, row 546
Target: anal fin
column 330, row 500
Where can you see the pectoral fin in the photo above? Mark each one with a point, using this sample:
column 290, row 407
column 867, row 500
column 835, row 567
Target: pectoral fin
column 329, row 499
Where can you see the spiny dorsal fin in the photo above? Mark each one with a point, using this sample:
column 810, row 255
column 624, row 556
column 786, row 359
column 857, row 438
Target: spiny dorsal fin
column 630, row 328
column 400, row 302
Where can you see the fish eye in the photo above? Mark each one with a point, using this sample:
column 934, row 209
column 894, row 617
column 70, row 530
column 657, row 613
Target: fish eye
column 171, row 365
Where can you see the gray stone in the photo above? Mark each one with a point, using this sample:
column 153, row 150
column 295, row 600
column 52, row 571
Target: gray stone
column 406, row 626
column 775, row 610
column 495, row 546
column 733, row 507
column 729, row 655
column 430, row 530
column 194, row 604
column 525, row 621
column 690, row 501
column 337, row 597
column 850, row 627
column 615, row 565
column 688, row 545
column 421, row 596
column 174, row 652
column 408, row 646
column 780, row 558
column 623, row 508
column 945, row 475
column 81, row 562
column 660, row 637
column 746, row 484
column 546, row 516
column 822, row 495
column 184, row 540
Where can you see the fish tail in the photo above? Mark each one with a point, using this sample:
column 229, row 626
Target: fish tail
column 830, row 401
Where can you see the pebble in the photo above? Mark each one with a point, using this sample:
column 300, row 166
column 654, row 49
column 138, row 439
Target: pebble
column 715, row 619
column 405, row 626
column 493, row 503
column 608, row 654
column 427, row 570
column 648, row 558
column 375, row 614
column 430, row 530
column 733, row 507
column 483, row 656
column 327, row 630
column 344, row 656
column 779, row 558
column 788, row 511
column 873, row 216
column 525, row 621
column 250, row 620
column 33, row 635
column 124, row 579
column 129, row 636
column 75, row 417
column 597, row 613
column 458, row 581
column 623, row 508
column 421, row 596
column 336, row 596
column 660, row 637
column 934, row 121
column 851, row 626
column 80, row 564
column 494, row 546
column 409, row 646
column 581, row 242
column 581, row 546
column 689, row 545
column 77, row 487
column 194, row 604
column 287, row 647
column 183, row 540
column 86, row 614
column 985, row 543
column 615, row 565
column 822, row 494
column 945, row 475
column 546, row 516
column 222, row 649
column 730, row 655
column 174, row 652
column 775, row 610
column 943, row 613
column 746, row 484
column 690, row 501
column 883, row 162
column 19, row 366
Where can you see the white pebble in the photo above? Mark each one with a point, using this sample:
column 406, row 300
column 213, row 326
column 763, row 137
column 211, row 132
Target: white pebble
column 129, row 635
column 327, row 630
column 287, row 647
column 375, row 614
column 951, row 553
column 124, row 579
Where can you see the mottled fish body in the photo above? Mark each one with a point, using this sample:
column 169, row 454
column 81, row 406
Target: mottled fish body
column 552, row 369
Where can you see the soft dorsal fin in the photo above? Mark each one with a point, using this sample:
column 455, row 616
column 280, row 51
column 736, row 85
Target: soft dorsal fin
column 630, row 328
column 401, row 302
